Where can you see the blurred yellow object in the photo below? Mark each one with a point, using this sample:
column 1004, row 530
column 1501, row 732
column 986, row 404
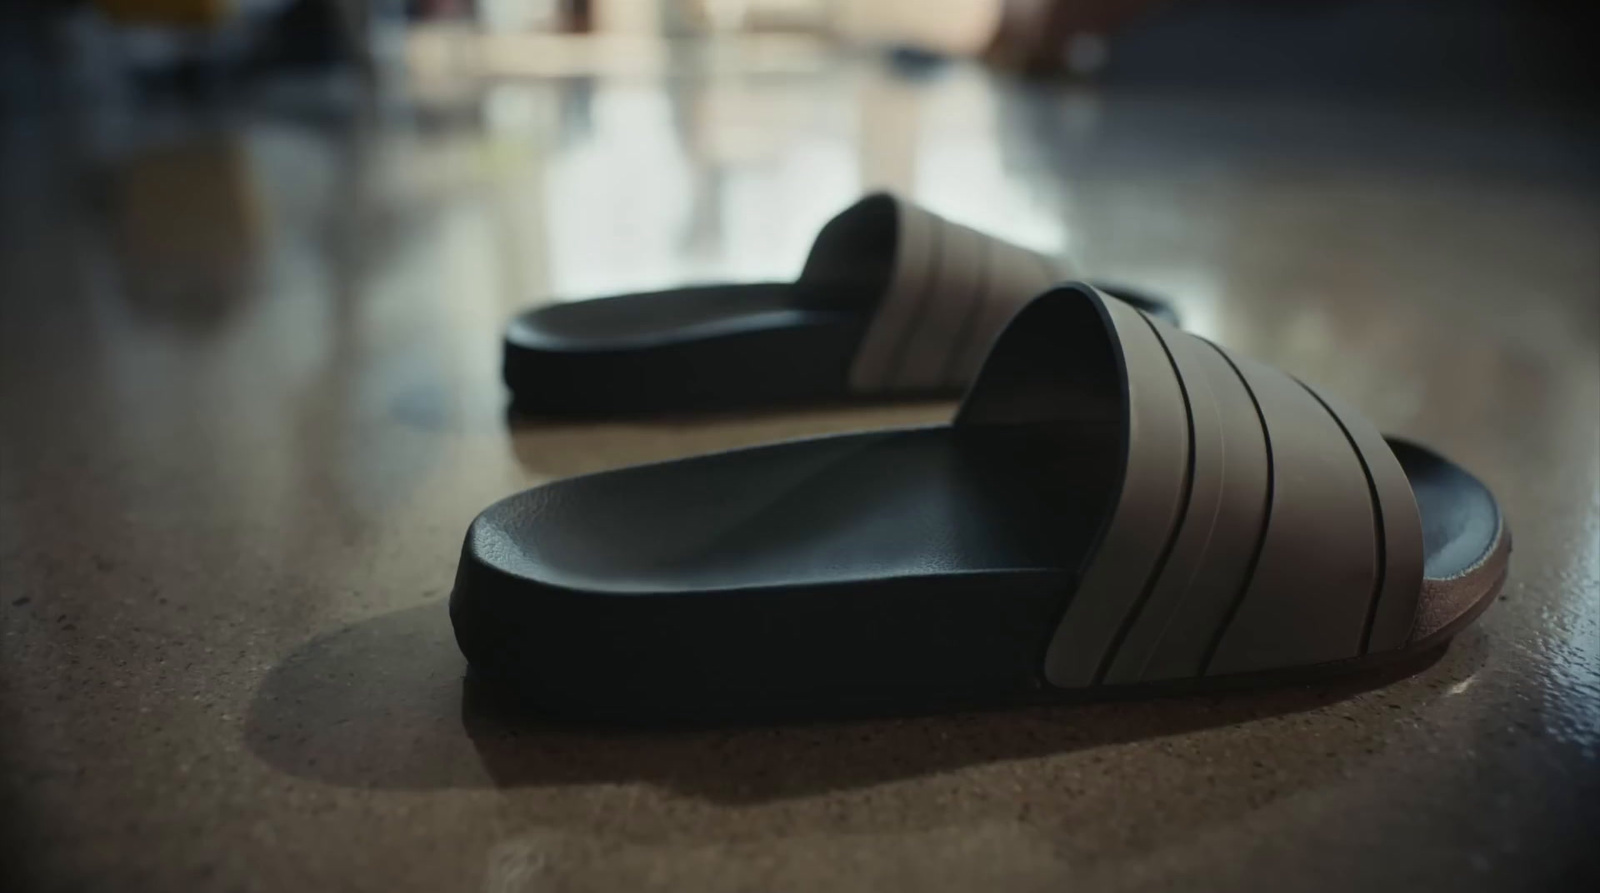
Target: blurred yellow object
column 186, row 224
column 187, row 13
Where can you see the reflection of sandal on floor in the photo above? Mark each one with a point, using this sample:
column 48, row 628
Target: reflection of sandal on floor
column 1119, row 508
column 893, row 302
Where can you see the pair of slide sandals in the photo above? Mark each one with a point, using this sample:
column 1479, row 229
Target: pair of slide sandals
column 1119, row 508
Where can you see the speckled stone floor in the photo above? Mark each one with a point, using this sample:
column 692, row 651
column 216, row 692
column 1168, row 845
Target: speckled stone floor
column 250, row 402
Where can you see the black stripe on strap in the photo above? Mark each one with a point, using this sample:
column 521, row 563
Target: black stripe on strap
column 1266, row 520
column 1132, row 615
column 1377, row 519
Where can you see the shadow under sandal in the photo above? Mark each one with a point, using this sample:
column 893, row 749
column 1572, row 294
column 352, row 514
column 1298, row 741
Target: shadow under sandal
column 894, row 302
column 1118, row 509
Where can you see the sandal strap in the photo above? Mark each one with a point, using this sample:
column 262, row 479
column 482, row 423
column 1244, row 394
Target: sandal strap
column 1258, row 525
column 952, row 290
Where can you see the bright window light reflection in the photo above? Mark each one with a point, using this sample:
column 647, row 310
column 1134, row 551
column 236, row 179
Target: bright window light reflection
column 619, row 201
column 962, row 172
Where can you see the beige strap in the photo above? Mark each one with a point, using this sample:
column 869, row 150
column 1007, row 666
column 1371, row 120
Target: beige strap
column 1395, row 607
column 1307, row 602
column 1147, row 510
column 1173, row 632
column 952, row 290
column 1258, row 525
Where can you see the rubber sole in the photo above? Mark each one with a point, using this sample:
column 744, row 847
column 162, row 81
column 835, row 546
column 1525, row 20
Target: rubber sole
column 697, row 349
column 1414, row 658
column 592, row 603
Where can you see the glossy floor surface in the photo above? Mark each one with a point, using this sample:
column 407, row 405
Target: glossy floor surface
column 251, row 401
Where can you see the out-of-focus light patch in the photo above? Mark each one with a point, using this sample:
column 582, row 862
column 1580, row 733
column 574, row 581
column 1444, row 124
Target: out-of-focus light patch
column 441, row 53
column 1397, row 403
column 1194, row 293
column 408, row 171
column 726, row 15
column 516, row 15
column 1462, row 686
column 961, row 171
column 619, row 203
column 476, row 279
column 887, row 112
column 1086, row 54
column 161, row 379
column 813, row 181
column 628, row 16
column 1308, row 334
column 702, row 182
column 520, row 110
column 747, row 122
column 954, row 27
column 1320, row 348
column 522, row 241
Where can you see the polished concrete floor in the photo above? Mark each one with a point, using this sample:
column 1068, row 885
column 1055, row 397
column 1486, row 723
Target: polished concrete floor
column 250, row 403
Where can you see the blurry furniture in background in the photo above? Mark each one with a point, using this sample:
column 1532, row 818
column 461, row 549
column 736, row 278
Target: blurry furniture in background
column 176, row 13
column 106, row 49
column 1049, row 36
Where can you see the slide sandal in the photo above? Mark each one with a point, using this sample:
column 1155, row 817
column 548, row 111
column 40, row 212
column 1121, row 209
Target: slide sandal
column 893, row 302
column 1118, row 509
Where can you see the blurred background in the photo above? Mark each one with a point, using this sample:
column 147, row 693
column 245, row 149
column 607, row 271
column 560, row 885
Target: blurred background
column 1293, row 174
column 578, row 147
